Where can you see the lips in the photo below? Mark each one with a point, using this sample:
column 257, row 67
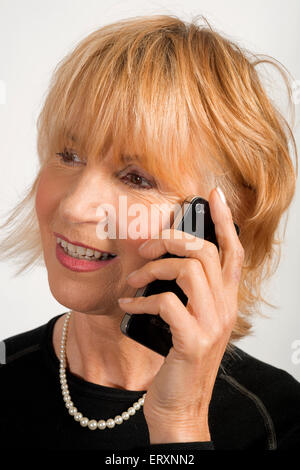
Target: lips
column 81, row 265
column 81, row 244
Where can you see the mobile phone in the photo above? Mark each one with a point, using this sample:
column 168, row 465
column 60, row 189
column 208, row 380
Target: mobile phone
column 151, row 330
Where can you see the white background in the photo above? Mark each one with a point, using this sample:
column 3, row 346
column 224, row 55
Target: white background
column 34, row 36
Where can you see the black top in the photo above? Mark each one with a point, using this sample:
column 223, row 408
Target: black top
column 254, row 405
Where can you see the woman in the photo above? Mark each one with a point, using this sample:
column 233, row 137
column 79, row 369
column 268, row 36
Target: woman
column 151, row 110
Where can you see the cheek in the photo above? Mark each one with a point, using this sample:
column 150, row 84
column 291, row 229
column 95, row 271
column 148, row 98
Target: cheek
column 47, row 196
column 141, row 222
column 133, row 223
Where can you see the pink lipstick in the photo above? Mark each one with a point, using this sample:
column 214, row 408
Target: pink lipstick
column 78, row 264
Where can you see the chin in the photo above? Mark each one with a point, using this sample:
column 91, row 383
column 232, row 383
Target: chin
column 74, row 298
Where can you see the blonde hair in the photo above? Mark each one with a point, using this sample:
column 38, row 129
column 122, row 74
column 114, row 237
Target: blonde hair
column 184, row 98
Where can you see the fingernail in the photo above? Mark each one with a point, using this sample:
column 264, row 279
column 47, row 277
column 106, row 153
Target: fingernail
column 124, row 300
column 144, row 244
column 131, row 274
column 221, row 194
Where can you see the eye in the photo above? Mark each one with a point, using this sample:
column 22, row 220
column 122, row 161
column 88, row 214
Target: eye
column 66, row 157
column 133, row 178
column 138, row 181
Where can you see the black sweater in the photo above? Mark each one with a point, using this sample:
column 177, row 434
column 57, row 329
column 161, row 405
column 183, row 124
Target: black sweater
column 254, row 406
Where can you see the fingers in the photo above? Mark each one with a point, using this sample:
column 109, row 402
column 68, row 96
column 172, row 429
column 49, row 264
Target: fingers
column 229, row 243
column 189, row 275
column 200, row 274
column 207, row 276
column 173, row 312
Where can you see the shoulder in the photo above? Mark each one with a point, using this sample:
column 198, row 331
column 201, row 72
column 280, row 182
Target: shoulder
column 272, row 392
column 260, row 376
column 22, row 365
column 16, row 349
column 22, row 344
column 26, row 365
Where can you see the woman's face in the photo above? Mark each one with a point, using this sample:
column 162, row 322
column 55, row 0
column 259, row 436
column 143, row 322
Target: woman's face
column 69, row 193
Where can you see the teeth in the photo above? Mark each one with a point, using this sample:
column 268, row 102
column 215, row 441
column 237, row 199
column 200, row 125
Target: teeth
column 80, row 252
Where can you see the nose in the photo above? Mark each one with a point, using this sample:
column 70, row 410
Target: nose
column 82, row 200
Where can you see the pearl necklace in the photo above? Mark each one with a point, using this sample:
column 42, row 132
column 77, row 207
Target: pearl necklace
column 83, row 420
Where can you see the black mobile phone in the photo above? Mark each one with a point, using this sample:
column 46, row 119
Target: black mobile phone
column 151, row 330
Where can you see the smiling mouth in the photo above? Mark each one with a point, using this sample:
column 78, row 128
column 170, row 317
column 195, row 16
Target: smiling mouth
column 80, row 252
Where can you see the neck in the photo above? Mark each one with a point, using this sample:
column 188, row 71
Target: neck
column 98, row 352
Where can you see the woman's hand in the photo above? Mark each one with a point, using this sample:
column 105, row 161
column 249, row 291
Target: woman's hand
column 177, row 402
